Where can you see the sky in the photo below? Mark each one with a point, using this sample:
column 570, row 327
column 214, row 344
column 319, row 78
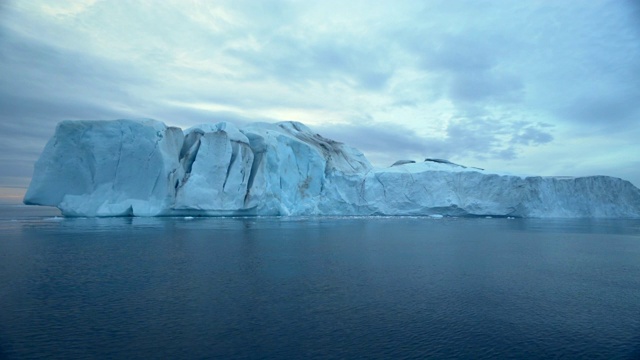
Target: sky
column 527, row 87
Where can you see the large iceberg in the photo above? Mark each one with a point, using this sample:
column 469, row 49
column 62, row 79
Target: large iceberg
column 144, row 168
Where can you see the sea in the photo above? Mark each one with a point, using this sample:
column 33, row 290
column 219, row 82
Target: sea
column 317, row 287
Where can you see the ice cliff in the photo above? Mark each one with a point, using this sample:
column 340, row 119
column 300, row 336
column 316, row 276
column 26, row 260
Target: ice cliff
column 144, row 168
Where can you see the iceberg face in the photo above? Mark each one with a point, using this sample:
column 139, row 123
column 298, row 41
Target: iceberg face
column 96, row 168
column 292, row 166
column 217, row 161
column 144, row 168
column 429, row 189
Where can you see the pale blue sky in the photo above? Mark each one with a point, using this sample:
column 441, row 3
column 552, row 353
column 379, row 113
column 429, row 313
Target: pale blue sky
column 534, row 87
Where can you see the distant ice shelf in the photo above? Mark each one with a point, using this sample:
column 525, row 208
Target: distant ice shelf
column 144, row 168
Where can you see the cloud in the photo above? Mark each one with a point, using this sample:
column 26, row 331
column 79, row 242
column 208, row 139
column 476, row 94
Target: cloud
column 372, row 137
column 465, row 138
column 39, row 75
column 485, row 86
column 294, row 60
column 613, row 111
column 493, row 138
column 459, row 53
column 531, row 134
column 464, row 80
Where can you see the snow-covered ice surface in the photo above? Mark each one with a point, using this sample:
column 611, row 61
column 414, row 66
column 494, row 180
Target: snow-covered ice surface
column 144, row 168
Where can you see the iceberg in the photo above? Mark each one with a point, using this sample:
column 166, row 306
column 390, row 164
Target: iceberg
column 145, row 168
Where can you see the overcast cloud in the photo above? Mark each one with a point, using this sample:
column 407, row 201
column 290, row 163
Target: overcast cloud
column 537, row 87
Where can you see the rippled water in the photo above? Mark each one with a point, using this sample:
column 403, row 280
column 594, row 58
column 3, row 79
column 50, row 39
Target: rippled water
column 388, row 288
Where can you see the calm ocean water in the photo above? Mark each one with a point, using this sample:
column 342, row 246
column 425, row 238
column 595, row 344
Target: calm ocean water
column 258, row 288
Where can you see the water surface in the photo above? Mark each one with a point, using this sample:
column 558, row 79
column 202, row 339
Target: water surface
column 317, row 288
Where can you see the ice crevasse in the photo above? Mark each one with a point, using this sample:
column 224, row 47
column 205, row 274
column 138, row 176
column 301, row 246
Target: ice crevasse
column 144, row 168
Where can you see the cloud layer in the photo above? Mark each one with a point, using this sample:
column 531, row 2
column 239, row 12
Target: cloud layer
column 508, row 85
